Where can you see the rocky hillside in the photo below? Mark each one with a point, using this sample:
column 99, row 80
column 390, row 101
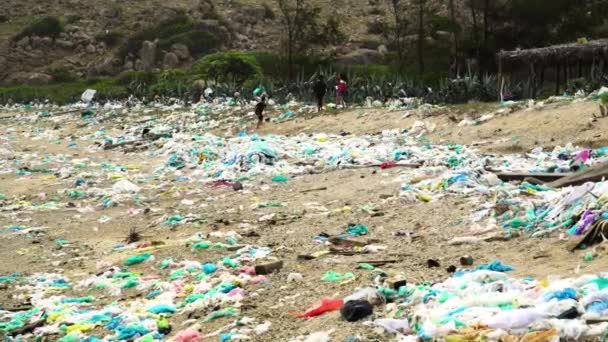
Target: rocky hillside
column 102, row 38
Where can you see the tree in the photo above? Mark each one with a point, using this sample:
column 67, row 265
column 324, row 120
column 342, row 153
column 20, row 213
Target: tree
column 452, row 11
column 301, row 28
column 421, row 35
column 228, row 66
column 396, row 32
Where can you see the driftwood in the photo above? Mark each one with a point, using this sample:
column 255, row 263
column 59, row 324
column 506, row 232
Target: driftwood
column 594, row 234
column 410, row 165
column 558, row 180
column 593, row 174
column 377, row 263
column 126, row 143
column 315, row 189
column 518, row 176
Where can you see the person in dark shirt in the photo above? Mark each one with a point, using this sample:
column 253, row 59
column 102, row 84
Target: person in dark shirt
column 320, row 89
column 259, row 110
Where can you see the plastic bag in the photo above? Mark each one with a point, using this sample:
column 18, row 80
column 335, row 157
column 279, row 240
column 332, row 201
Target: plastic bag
column 325, row 305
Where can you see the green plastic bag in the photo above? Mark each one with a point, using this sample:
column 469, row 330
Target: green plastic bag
column 137, row 259
column 280, row 179
column 335, row 277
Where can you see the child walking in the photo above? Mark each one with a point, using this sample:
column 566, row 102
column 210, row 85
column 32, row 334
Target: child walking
column 341, row 91
column 259, row 110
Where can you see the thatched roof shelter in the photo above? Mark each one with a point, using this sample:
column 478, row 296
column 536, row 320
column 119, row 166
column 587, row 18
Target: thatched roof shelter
column 590, row 55
column 552, row 55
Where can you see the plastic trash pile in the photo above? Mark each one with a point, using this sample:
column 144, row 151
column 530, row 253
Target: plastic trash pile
column 145, row 295
column 483, row 304
column 168, row 292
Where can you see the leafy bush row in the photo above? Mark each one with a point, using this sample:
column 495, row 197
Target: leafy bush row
column 42, row 27
column 180, row 29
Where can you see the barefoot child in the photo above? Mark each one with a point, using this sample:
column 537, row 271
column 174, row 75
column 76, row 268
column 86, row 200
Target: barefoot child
column 320, row 89
column 341, row 91
column 259, row 110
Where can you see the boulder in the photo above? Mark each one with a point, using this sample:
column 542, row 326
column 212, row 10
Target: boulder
column 90, row 49
column 170, row 61
column 181, row 50
column 23, row 42
column 205, row 7
column 382, row 49
column 29, row 78
column 128, row 65
column 72, row 28
column 46, row 42
column 147, row 55
column 139, row 65
column 35, row 42
column 250, row 15
column 109, row 66
column 361, row 56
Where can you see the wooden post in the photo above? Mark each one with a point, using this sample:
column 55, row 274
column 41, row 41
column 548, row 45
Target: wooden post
column 557, row 79
column 542, row 78
column 532, row 81
column 566, row 75
column 500, row 98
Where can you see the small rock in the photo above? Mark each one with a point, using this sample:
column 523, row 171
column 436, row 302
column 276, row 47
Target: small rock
column 90, row 49
column 295, row 277
column 170, row 61
column 64, row 44
column 269, row 268
column 35, row 42
column 181, row 50
column 23, row 42
column 237, row 186
column 147, row 54
column 46, row 42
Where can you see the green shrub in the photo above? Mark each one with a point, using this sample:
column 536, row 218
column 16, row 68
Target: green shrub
column 275, row 66
column 370, row 43
column 179, row 29
column 111, row 38
column 62, row 93
column 332, row 33
column 163, row 30
column 198, row 41
column 62, row 75
column 172, row 83
column 128, row 78
column 228, row 66
column 376, row 27
column 441, row 23
column 42, row 27
column 372, row 70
